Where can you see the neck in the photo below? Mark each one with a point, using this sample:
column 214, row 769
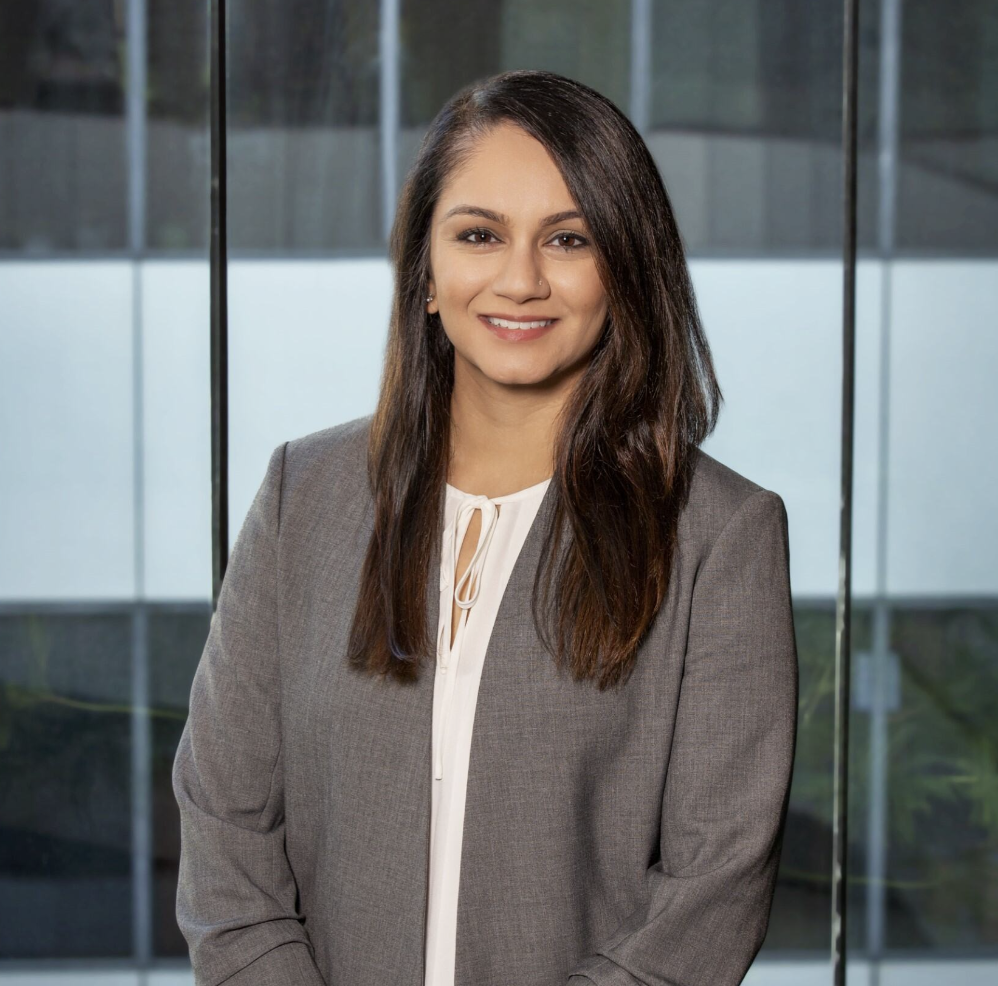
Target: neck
column 501, row 446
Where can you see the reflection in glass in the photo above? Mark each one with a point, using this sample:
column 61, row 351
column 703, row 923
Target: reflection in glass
column 65, row 815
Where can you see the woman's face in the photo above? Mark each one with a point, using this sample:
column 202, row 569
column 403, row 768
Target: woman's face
column 499, row 247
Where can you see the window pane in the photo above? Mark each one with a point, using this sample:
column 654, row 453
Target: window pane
column 303, row 126
column 924, row 770
column 65, row 843
column 62, row 126
column 948, row 169
column 178, row 152
column 746, row 121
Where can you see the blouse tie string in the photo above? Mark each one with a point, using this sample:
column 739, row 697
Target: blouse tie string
column 473, row 575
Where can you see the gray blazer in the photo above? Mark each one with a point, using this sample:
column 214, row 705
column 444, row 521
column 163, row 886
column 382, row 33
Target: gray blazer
column 617, row 839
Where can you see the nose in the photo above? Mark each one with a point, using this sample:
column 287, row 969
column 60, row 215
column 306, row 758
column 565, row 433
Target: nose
column 521, row 276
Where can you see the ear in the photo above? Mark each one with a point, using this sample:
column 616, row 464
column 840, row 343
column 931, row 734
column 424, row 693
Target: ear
column 431, row 291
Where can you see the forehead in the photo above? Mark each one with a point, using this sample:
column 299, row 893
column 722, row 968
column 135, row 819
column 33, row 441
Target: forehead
column 510, row 174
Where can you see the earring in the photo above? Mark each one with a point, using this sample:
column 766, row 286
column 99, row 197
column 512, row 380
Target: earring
column 430, row 298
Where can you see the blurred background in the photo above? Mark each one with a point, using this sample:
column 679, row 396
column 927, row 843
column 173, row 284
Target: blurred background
column 105, row 488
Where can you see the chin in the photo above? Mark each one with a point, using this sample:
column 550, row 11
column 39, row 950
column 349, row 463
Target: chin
column 515, row 374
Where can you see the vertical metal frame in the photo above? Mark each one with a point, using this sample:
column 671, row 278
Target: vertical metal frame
column 641, row 42
column 140, row 726
column 389, row 74
column 843, row 601
column 884, row 684
column 219, row 309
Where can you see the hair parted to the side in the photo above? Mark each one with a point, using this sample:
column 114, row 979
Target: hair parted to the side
column 628, row 435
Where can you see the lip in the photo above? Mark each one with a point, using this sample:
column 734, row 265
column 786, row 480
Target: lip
column 516, row 335
column 517, row 318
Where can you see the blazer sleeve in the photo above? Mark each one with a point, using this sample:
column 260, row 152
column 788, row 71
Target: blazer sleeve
column 236, row 892
column 708, row 898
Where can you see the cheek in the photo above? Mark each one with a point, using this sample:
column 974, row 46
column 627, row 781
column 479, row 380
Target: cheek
column 590, row 305
column 461, row 280
column 581, row 283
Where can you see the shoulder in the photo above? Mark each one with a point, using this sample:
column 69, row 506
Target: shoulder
column 719, row 495
column 326, row 467
column 327, row 445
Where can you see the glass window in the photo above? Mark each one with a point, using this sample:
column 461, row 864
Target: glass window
column 62, row 127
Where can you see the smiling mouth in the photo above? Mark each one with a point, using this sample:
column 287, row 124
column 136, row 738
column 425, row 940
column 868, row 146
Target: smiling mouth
column 506, row 323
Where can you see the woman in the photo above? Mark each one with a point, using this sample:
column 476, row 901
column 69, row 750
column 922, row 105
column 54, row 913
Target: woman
column 598, row 770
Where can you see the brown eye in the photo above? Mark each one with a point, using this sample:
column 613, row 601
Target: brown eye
column 582, row 242
column 475, row 232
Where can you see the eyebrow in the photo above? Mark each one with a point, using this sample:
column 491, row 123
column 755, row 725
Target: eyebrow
column 503, row 220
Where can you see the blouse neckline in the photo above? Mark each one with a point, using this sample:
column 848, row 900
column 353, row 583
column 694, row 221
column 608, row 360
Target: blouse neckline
column 523, row 494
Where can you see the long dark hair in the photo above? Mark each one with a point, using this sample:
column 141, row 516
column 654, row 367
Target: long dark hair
column 629, row 433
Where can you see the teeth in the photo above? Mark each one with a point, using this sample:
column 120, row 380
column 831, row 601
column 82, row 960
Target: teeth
column 503, row 323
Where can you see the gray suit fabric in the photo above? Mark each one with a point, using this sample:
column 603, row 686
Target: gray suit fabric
column 615, row 839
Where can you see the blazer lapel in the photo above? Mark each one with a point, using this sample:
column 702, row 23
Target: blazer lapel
column 512, row 660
